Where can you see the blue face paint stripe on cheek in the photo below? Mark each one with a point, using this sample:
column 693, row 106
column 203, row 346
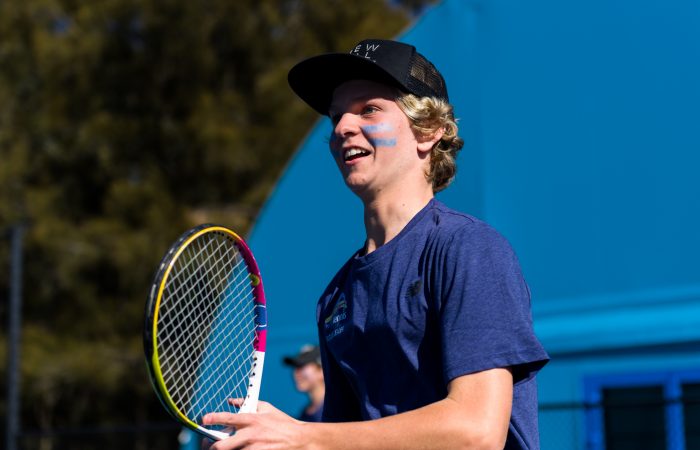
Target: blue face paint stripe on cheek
column 372, row 130
column 379, row 128
column 383, row 142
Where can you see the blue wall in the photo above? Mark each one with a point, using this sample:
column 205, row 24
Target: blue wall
column 582, row 129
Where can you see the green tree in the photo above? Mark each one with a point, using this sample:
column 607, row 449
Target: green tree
column 122, row 123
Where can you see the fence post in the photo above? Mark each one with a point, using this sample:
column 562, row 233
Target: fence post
column 13, row 338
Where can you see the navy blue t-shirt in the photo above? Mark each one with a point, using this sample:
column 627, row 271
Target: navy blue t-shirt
column 444, row 298
column 315, row 416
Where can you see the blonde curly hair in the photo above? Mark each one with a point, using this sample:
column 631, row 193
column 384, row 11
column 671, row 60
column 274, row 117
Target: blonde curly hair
column 428, row 115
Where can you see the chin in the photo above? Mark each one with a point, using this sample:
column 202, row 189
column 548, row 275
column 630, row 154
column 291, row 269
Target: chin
column 356, row 181
column 358, row 189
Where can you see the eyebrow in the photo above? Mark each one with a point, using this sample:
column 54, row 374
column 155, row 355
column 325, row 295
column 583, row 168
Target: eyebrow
column 356, row 99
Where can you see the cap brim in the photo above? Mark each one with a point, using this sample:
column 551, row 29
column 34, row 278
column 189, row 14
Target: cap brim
column 315, row 79
column 292, row 362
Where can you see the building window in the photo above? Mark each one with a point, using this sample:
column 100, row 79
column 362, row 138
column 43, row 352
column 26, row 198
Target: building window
column 691, row 415
column 634, row 418
column 644, row 411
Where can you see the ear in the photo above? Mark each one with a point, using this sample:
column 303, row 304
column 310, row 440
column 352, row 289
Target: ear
column 427, row 142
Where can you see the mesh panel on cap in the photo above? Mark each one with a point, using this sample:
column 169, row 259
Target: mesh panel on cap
column 425, row 80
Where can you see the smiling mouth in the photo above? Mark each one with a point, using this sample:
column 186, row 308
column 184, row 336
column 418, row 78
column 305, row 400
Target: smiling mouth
column 354, row 153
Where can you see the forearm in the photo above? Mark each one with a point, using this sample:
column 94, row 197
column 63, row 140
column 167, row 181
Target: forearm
column 474, row 415
column 441, row 425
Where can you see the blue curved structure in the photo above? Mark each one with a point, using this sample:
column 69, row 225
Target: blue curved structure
column 582, row 129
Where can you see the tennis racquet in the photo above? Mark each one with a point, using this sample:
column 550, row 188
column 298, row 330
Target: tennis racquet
column 205, row 327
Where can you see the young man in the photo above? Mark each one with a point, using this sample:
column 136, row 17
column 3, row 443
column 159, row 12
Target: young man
column 425, row 333
column 308, row 378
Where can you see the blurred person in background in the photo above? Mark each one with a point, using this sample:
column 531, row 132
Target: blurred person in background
column 308, row 378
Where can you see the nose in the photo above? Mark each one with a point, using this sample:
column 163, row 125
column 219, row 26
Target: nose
column 346, row 126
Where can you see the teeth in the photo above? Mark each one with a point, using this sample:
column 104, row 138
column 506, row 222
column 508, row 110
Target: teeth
column 353, row 152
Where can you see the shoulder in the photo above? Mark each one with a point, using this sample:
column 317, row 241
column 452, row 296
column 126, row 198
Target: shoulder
column 452, row 227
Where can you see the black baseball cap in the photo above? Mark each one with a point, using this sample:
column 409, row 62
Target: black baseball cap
column 390, row 62
column 307, row 354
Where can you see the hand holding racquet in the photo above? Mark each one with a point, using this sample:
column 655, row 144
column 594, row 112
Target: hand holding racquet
column 205, row 328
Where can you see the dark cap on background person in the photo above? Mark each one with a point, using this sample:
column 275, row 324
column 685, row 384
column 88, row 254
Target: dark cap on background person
column 390, row 62
column 307, row 354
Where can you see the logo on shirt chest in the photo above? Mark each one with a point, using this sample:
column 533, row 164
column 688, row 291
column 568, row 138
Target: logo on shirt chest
column 414, row 288
column 334, row 323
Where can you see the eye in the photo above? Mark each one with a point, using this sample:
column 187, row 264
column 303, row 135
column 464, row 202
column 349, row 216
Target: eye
column 368, row 110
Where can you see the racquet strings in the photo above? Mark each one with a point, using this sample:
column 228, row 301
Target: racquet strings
column 206, row 327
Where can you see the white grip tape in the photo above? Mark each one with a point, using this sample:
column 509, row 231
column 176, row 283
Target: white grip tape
column 214, row 434
column 250, row 404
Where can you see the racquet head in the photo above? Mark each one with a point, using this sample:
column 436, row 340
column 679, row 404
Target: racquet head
column 205, row 327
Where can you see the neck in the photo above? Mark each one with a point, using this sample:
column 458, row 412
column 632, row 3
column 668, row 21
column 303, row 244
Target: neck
column 317, row 394
column 387, row 215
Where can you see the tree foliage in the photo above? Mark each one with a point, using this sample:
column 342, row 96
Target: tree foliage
column 122, row 123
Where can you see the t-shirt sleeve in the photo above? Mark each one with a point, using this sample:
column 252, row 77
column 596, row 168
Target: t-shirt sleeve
column 484, row 307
